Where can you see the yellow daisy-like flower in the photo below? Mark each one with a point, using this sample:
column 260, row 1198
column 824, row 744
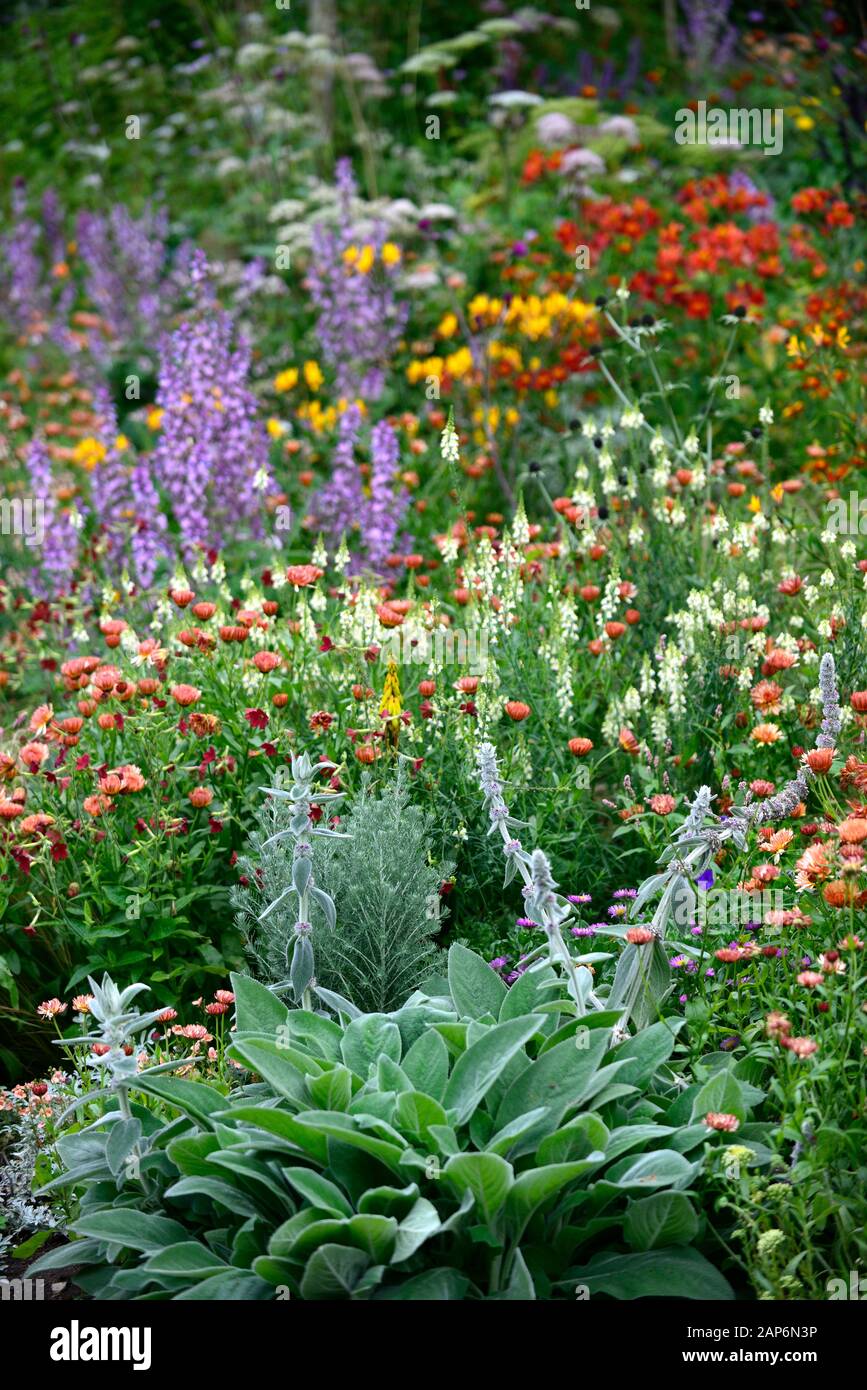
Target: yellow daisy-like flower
column 154, row 417
column 448, row 326
column 121, row 442
column 285, row 380
column 365, row 261
column 804, row 122
column 276, row 428
column 89, row 452
column 313, row 376
column 795, row 347
column 390, row 254
column 842, row 336
column 350, row 255
column 755, row 504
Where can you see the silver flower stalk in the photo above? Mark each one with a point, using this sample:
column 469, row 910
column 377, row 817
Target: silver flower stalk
column 830, row 703
column 544, row 904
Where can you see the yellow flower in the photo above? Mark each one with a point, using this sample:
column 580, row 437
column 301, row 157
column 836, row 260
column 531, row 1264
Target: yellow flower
column 459, row 363
column 89, row 452
column 448, row 326
column 350, row 255
column 155, row 417
column 285, row 380
column 390, row 705
column 550, row 398
column 276, row 428
column 512, row 416
column 390, row 254
column 794, row 347
column 804, row 122
column 365, row 261
column 313, row 376
column 842, row 336
column 121, row 442
column 754, row 504
column 777, row 492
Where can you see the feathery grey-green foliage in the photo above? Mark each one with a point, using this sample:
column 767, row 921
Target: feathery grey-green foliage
column 385, row 890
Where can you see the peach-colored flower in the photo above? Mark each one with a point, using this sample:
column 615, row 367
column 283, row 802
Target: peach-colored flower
column 33, row 755
column 51, row 1008
column 663, row 804
column 777, row 1025
column 853, row 831
column 779, row 841
column 727, row 1124
column 185, row 695
column 266, row 661
column 201, row 796
column 812, row 865
column 639, row 936
column 580, row 747
column 766, row 733
column 767, row 696
column 802, row 1047
column 81, row 1003
column 516, row 710
column 97, row 804
column 300, row 576
column 819, row 760
column 41, row 716
column 809, row 979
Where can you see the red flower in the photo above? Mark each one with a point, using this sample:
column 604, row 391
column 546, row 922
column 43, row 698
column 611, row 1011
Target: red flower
column 256, row 718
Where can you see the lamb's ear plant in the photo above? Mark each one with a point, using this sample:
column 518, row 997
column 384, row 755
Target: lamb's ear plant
column 302, row 799
column 472, row 1144
column 643, row 977
column 544, row 904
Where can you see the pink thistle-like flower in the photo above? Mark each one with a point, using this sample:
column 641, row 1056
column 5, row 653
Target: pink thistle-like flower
column 727, row 1124
column 51, row 1008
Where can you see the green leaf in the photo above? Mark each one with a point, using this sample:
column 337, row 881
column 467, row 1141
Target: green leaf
column 427, row 1064
column 520, row 1285
column 575, row 1140
column 348, row 1130
column 333, row 1272
column 73, row 1252
column 534, row 987
column 257, row 1008
column 368, row 1038
column 477, row 1069
column 332, row 1090
column 236, row 1285
column 284, row 1126
column 193, row 1098
column 721, row 1094
column 190, row 1153
column 284, row 1068
column 420, row 1223
column 318, row 1191
column 225, row 1194
column 414, row 1114
column 321, row 1036
column 646, row 1052
column 557, row 1079
column 487, row 1176
column 507, row 1137
column 475, row 988
column 433, row 1286
column 535, row 1186
column 135, row 1230
column 665, row 1218
column 186, row 1260
column 677, row 1273
column 122, row 1139
column 661, row 1168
